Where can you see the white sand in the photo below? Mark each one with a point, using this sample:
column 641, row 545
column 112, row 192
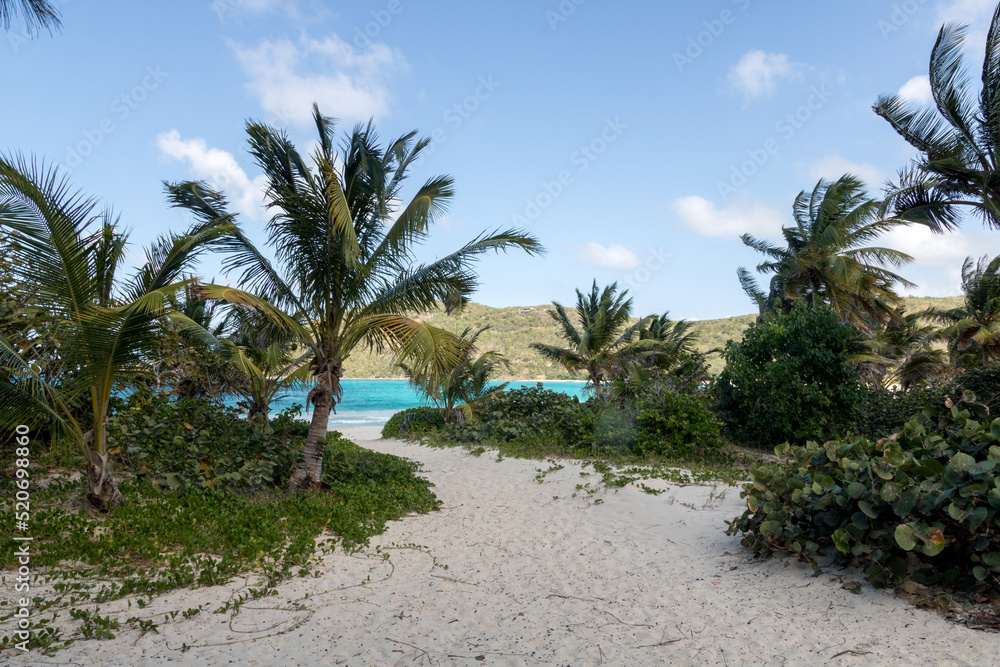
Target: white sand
column 536, row 576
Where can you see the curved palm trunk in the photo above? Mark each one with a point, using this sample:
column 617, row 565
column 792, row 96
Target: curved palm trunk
column 102, row 490
column 323, row 397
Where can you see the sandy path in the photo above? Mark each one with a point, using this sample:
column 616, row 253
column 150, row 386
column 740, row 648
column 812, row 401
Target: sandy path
column 537, row 576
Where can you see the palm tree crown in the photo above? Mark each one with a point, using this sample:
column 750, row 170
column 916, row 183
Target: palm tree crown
column 826, row 260
column 977, row 321
column 958, row 138
column 604, row 333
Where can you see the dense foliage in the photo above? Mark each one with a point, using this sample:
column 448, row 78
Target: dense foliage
column 528, row 413
column 789, row 380
column 922, row 504
column 657, row 422
column 189, row 443
column 413, row 422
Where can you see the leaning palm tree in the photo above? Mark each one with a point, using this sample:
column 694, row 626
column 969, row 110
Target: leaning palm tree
column 344, row 246
column 977, row 321
column 959, row 144
column 36, row 14
column 459, row 385
column 604, row 333
column 69, row 255
column 825, row 259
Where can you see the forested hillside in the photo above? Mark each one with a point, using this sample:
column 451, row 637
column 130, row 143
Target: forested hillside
column 512, row 330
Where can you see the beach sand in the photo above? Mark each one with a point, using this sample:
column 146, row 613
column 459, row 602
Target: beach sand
column 516, row 572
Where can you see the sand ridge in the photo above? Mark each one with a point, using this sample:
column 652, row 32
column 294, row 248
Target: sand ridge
column 538, row 576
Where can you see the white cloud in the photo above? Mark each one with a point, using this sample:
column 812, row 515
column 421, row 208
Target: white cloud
column 937, row 258
column 917, row 90
column 974, row 13
column 287, row 77
column 757, row 73
column 946, row 251
column 833, row 167
column 739, row 217
column 613, row 257
column 220, row 169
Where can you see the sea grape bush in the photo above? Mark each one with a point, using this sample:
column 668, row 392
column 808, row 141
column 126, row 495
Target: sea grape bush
column 192, row 443
column 921, row 504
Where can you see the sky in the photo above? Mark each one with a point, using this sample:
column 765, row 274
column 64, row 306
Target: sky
column 636, row 140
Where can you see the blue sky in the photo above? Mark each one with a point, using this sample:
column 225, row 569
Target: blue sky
column 636, row 140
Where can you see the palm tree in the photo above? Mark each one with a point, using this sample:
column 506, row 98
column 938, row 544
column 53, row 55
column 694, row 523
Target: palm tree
column 36, row 14
column 977, row 321
column 901, row 351
column 825, row 259
column 344, row 247
column 456, row 387
column 604, row 333
column 957, row 138
column 106, row 324
column 267, row 362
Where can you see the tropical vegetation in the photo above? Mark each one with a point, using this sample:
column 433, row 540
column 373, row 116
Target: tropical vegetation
column 344, row 246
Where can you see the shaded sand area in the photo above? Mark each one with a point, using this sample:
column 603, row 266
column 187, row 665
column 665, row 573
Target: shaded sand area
column 517, row 572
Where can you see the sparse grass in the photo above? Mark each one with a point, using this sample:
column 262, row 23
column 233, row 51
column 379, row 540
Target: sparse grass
column 157, row 542
column 618, row 467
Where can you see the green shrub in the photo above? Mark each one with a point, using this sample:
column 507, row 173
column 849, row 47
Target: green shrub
column 202, row 444
column 886, row 411
column 413, row 422
column 615, row 426
column 528, row 413
column 677, row 426
column 984, row 382
column 789, row 380
column 922, row 504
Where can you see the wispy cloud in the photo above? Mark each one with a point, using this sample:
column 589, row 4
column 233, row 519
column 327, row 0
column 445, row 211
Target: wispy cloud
column 833, row 167
column 757, row 73
column 287, row 77
column 219, row 169
column 612, row 257
column 740, row 217
column 974, row 13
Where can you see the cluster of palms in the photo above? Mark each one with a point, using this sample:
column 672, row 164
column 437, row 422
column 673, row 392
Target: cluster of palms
column 344, row 277
column 828, row 259
column 616, row 351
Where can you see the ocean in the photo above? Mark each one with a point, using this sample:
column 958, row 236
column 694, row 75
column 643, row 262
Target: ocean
column 372, row 402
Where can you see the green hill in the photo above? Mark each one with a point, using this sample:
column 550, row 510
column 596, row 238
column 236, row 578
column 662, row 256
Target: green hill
column 512, row 330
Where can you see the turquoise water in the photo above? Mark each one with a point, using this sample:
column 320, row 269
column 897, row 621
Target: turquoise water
column 372, row 402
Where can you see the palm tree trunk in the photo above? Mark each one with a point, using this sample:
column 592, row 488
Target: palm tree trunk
column 322, row 397
column 310, row 471
column 102, row 490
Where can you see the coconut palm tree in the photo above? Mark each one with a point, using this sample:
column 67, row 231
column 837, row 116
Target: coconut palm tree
column 977, row 321
column 604, row 333
column 268, row 362
column 69, row 255
column 344, row 245
column 900, row 352
column 456, row 387
column 825, row 259
column 36, row 14
column 958, row 138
